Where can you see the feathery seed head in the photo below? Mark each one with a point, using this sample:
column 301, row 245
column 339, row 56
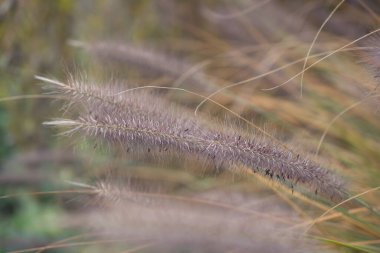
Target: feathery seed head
column 144, row 122
column 173, row 222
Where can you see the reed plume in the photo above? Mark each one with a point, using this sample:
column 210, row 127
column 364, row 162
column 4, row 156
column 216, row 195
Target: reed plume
column 145, row 123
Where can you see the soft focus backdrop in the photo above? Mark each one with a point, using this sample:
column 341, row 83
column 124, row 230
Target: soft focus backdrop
column 200, row 46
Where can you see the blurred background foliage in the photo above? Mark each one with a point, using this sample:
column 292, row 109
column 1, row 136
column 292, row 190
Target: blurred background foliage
column 34, row 38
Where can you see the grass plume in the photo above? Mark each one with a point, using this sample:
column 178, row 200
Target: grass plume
column 147, row 61
column 194, row 223
column 146, row 123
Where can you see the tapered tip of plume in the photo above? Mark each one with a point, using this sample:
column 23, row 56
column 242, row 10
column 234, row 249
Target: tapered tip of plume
column 76, row 43
column 61, row 122
column 48, row 80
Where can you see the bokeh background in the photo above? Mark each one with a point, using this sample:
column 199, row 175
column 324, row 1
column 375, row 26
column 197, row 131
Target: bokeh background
column 206, row 45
